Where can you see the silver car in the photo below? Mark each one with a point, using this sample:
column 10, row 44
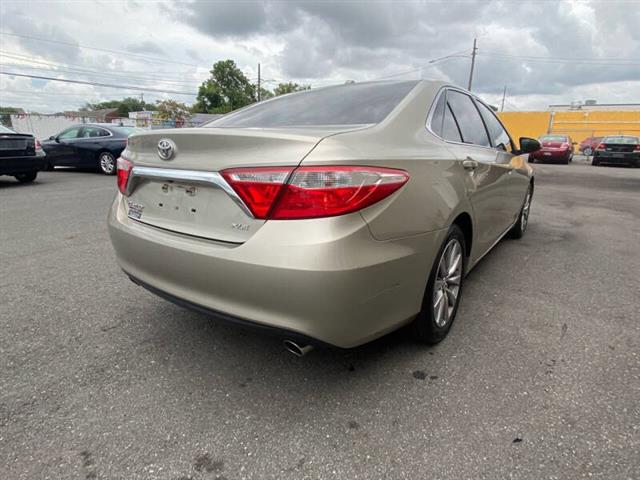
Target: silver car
column 330, row 216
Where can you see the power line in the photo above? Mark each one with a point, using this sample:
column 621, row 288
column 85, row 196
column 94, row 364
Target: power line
column 108, row 76
column 568, row 61
column 25, row 58
column 118, row 52
column 82, row 82
column 67, row 94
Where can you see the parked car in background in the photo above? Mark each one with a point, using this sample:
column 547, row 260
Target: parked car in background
column 618, row 150
column 554, row 148
column 21, row 155
column 331, row 216
column 89, row 145
column 588, row 145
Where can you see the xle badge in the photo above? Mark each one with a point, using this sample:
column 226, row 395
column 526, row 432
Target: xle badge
column 135, row 210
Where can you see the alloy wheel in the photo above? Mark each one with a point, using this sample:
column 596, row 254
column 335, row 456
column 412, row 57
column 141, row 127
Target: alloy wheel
column 107, row 163
column 447, row 283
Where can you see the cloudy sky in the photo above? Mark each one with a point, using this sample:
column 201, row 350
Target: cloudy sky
column 544, row 51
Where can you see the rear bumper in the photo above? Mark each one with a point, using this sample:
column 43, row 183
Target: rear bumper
column 15, row 165
column 327, row 280
column 631, row 158
column 550, row 155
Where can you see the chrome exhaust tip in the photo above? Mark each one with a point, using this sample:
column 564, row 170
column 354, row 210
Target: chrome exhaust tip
column 297, row 350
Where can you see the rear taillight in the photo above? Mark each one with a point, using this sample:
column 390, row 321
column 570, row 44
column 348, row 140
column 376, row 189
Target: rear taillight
column 637, row 147
column 601, row 147
column 123, row 171
column 38, row 145
column 564, row 145
column 312, row 192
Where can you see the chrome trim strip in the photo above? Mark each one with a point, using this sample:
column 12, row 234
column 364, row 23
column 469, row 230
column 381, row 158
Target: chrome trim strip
column 198, row 176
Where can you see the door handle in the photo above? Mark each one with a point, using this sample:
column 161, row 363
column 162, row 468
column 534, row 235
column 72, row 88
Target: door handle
column 469, row 164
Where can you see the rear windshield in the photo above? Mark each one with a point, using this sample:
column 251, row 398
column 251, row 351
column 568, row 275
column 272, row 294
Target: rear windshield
column 553, row 138
column 623, row 140
column 126, row 130
column 352, row 104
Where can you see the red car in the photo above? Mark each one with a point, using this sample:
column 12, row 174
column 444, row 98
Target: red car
column 555, row 148
column 589, row 144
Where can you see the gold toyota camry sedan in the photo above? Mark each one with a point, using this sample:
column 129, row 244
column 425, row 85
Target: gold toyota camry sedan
column 330, row 216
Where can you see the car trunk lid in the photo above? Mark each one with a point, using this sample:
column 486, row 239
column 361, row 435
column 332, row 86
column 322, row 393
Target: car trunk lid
column 552, row 144
column 620, row 147
column 186, row 193
column 17, row 145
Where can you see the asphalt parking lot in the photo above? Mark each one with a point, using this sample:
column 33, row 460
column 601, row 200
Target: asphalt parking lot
column 539, row 377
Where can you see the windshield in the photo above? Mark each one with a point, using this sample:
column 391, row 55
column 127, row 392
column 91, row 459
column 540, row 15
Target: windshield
column 4, row 129
column 352, row 104
column 623, row 140
column 553, row 138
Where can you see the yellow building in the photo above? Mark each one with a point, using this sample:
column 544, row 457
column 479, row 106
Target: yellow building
column 578, row 124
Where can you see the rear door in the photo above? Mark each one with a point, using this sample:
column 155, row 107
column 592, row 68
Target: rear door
column 489, row 182
column 517, row 176
column 90, row 141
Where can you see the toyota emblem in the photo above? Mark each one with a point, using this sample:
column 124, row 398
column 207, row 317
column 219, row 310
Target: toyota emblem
column 166, row 149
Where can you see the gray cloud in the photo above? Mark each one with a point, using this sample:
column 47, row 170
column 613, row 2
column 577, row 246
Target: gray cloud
column 146, row 46
column 22, row 24
column 368, row 38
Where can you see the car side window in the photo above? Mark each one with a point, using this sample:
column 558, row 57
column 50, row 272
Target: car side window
column 468, row 119
column 499, row 136
column 442, row 122
column 94, row 132
column 69, row 134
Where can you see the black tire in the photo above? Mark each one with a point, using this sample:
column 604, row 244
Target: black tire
column 428, row 326
column 595, row 162
column 49, row 167
column 106, row 163
column 532, row 160
column 26, row 177
column 517, row 231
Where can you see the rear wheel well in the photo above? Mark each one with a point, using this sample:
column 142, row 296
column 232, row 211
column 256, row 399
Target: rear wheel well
column 464, row 222
column 103, row 150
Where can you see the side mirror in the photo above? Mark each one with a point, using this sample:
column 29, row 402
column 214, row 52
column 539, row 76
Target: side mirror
column 51, row 138
column 529, row 145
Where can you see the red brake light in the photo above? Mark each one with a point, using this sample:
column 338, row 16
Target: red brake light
column 38, row 145
column 601, row 147
column 638, row 147
column 123, row 171
column 312, row 192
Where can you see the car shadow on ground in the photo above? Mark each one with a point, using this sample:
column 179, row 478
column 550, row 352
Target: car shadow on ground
column 191, row 346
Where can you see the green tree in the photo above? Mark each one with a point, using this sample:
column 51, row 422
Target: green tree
column 265, row 94
column 124, row 106
column 289, row 87
column 227, row 89
column 172, row 109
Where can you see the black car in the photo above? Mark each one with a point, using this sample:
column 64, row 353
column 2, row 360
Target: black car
column 90, row 145
column 618, row 150
column 21, row 155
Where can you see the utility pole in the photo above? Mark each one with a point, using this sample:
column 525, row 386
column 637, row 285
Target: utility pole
column 259, row 95
column 473, row 62
column 504, row 94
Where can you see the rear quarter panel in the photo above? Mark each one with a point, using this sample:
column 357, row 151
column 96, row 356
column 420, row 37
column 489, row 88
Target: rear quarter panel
column 436, row 191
